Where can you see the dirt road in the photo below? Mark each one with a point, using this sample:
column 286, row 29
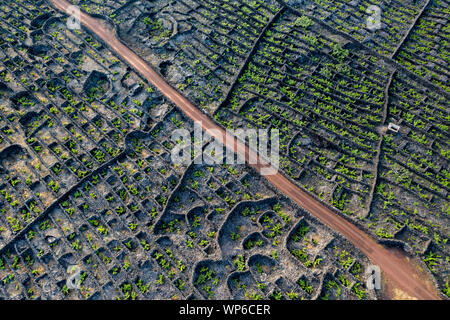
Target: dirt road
column 400, row 273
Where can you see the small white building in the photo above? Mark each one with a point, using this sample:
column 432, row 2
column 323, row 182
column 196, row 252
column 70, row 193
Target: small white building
column 393, row 127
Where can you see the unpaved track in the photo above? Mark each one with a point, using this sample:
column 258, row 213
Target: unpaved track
column 399, row 271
